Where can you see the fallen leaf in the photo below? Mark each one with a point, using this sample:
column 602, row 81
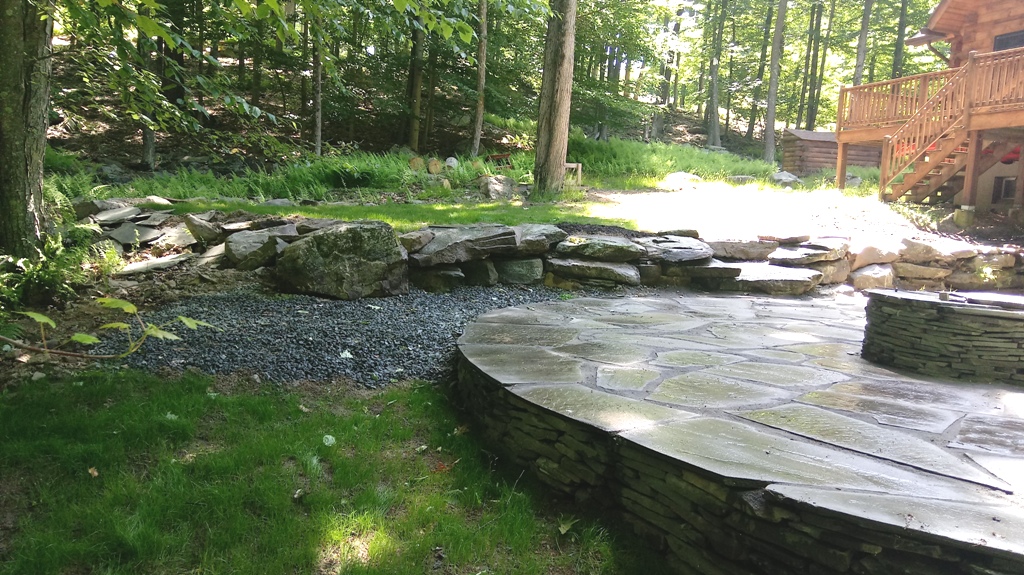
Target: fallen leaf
column 93, row 472
column 304, row 409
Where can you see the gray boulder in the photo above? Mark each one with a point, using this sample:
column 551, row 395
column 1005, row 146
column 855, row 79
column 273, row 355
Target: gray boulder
column 414, row 241
column 480, row 273
column 617, row 272
column 438, row 279
column 250, row 250
column 602, row 248
column 675, row 249
column 521, row 272
column 203, row 230
column 465, row 243
column 746, row 250
column 873, row 276
column 785, row 178
column 532, row 239
column 348, row 261
column 497, row 187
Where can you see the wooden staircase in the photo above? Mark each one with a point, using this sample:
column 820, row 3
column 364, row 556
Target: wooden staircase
column 934, row 134
column 924, row 187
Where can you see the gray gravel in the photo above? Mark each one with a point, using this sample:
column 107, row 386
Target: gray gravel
column 291, row 338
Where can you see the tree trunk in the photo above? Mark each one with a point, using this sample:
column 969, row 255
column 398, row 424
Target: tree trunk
column 555, row 99
column 862, row 43
column 24, row 106
column 812, row 80
column 804, row 77
column 815, row 101
column 148, row 136
column 773, row 82
column 755, row 104
column 303, row 81
column 415, row 85
column 714, row 129
column 901, row 38
column 481, row 78
column 318, row 86
column 428, row 125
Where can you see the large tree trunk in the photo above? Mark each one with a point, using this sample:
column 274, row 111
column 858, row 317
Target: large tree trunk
column 415, row 86
column 813, row 79
column 714, row 128
column 318, row 89
column 805, row 76
column 24, row 106
column 144, row 45
column 815, row 101
column 773, row 82
column 862, row 43
column 555, row 99
column 901, row 38
column 481, row 78
column 758, row 91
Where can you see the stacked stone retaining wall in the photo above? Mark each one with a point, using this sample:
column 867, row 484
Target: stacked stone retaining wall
column 917, row 331
column 707, row 524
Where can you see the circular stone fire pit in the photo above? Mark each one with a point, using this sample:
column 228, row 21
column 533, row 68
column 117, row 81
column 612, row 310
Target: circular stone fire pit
column 970, row 336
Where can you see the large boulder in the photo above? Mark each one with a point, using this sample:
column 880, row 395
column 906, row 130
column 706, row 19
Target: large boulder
column 524, row 271
column 534, row 239
column 250, row 250
column 414, row 241
column 202, row 229
column 915, row 271
column 620, row 273
column 465, row 243
column 746, row 250
column 497, row 187
column 883, row 252
column 874, row 276
column 675, row 249
column 833, row 272
column 601, row 248
column 938, row 251
column 480, row 273
column 347, row 261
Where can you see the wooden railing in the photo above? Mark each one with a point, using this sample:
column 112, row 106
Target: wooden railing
column 889, row 103
column 997, row 82
column 941, row 114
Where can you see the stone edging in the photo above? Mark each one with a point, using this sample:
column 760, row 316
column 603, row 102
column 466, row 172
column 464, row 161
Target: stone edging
column 957, row 339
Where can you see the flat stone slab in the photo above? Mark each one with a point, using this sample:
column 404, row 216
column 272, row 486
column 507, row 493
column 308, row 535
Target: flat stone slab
column 768, row 397
column 856, row 435
column 602, row 410
column 776, row 280
column 996, row 526
column 153, row 265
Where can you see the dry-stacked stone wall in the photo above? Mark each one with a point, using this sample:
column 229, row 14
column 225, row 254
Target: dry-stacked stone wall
column 709, row 524
column 953, row 338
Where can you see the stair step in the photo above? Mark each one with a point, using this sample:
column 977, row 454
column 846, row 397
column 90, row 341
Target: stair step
column 960, row 150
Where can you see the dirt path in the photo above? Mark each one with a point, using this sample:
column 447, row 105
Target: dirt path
column 722, row 211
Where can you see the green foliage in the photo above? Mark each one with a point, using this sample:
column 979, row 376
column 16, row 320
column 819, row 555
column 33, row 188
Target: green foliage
column 122, row 472
column 59, row 162
column 624, row 161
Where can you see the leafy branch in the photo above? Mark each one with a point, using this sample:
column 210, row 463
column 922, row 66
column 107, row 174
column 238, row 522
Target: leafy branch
column 135, row 342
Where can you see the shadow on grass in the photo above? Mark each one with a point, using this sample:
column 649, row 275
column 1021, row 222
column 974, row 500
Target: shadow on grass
column 123, row 472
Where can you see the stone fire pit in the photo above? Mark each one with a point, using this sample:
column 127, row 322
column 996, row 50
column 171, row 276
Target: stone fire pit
column 969, row 336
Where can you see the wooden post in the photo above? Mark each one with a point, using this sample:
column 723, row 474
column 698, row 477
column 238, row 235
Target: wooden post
column 841, row 109
column 1018, row 198
column 973, row 172
column 883, row 182
column 841, row 165
column 922, row 93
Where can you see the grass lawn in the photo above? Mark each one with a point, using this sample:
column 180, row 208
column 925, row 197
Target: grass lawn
column 408, row 217
column 122, row 472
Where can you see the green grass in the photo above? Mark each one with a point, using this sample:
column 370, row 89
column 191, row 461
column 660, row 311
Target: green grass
column 200, row 478
column 408, row 217
column 626, row 164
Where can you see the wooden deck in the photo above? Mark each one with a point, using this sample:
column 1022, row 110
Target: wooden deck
column 934, row 126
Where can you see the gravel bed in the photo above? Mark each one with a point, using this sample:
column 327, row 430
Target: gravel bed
column 293, row 338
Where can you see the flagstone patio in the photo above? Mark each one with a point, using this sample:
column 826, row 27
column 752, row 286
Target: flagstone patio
column 747, row 435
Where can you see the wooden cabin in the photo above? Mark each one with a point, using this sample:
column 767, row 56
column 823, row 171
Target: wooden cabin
column 805, row 152
column 943, row 134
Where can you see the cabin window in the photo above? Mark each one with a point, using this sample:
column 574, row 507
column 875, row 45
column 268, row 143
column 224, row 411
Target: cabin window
column 1009, row 41
column 1005, row 189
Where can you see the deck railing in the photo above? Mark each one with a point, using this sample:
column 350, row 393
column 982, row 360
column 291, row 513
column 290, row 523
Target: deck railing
column 889, row 103
column 997, row 81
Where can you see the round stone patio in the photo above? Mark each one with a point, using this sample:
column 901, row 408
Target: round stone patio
column 746, row 434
